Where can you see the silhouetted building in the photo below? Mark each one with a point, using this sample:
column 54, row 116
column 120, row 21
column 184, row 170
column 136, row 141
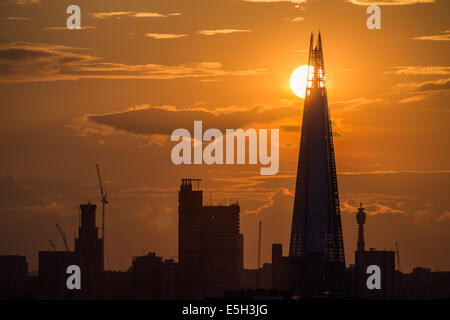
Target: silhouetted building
column 257, row 278
column 209, row 244
column 372, row 264
column 13, row 274
column 316, row 244
column 53, row 275
column 155, row 279
column 280, row 268
column 89, row 246
column 115, row 285
column 423, row 284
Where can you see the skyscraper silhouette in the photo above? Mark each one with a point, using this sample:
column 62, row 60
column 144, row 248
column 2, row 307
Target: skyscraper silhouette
column 210, row 244
column 316, row 236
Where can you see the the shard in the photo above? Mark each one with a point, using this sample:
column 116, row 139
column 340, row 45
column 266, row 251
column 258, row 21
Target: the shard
column 316, row 237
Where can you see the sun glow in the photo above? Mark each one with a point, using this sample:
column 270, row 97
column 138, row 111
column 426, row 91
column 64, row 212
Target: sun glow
column 299, row 79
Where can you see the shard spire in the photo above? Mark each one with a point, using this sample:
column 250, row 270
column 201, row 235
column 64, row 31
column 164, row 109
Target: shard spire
column 316, row 235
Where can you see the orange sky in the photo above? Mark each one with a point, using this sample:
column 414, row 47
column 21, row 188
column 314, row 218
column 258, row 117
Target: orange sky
column 113, row 91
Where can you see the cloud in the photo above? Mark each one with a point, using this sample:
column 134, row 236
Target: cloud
column 388, row 2
column 354, row 104
column 391, row 172
column 412, row 99
column 132, row 14
column 165, row 35
column 35, row 62
column 444, row 216
column 425, row 86
column 296, row 19
column 275, row 1
column 374, row 204
column 27, row 2
column 221, row 31
column 420, row 70
column 65, row 28
column 162, row 120
column 18, row 18
column 444, row 36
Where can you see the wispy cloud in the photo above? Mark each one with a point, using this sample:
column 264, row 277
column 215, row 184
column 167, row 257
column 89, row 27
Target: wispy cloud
column 165, row 35
column 443, row 36
column 434, row 85
column 274, row 1
column 388, row 2
column 412, row 99
column 420, row 70
column 65, row 28
column 18, row 18
column 132, row 14
column 444, row 216
column 221, row 31
column 354, row 104
column 27, row 2
column 295, row 19
column 35, row 62
column 382, row 172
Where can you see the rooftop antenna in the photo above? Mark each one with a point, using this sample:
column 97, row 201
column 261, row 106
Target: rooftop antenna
column 259, row 255
column 259, row 245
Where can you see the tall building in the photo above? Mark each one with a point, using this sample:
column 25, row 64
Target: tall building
column 316, row 236
column 209, row 244
column 89, row 247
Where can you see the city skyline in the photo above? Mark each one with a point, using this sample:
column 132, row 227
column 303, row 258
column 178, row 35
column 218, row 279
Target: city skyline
column 114, row 91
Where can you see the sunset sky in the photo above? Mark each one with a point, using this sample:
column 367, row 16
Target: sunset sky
column 114, row 91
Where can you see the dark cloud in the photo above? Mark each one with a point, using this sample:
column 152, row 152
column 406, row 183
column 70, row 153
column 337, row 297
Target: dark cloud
column 163, row 120
column 33, row 62
column 289, row 128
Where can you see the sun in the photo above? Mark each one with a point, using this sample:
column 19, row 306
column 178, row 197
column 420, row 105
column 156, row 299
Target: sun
column 299, row 80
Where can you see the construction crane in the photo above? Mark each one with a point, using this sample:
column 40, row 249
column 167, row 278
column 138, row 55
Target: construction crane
column 63, row 236
column 104, row 202
column 52, row 244
column 398, row 257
